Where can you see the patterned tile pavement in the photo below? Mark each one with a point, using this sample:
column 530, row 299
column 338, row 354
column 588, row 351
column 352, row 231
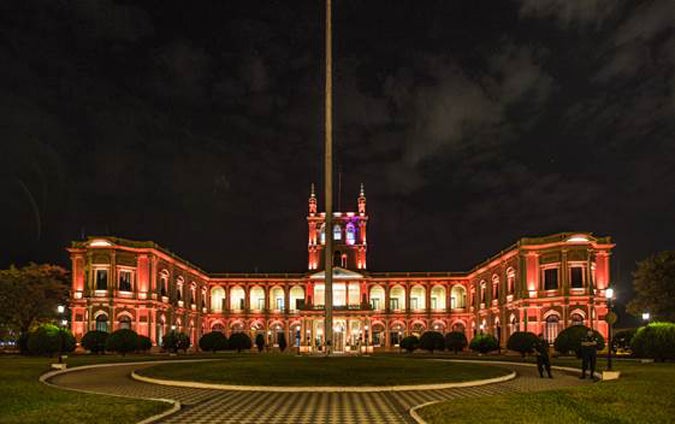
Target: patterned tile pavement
column 202, row 406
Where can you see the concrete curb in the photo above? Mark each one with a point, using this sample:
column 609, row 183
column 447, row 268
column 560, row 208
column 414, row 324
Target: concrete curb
column 175, row 404
column 321, row 389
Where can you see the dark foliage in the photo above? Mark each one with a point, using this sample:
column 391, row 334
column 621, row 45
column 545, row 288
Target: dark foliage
column 432, row 340
column 410, row 343
column 484, row 343
column 122, row 341
column 95, row 341
column 239, row 342
column 656, row 341
column 522, row 342
column 456, row 341
column 213, row 342
column 569, row 340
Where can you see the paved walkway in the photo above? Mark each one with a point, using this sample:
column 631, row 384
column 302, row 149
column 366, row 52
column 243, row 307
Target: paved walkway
column 216, row 406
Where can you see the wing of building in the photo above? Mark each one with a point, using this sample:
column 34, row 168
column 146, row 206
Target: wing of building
column 539, row 284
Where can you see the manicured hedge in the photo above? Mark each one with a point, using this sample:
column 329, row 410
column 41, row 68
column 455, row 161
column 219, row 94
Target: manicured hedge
column 522, row 342
column 656, row 341
column 239, row 342
column 173, row 341
column 94, row 341
column 49, row 339
column 122, row 341
column 484, row 343
column 432, row 340
column 410, row 343
column 213, row 342
column 456, row 341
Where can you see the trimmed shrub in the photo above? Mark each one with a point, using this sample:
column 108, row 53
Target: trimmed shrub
column 281, row 340
column 94, row 341
column 239, row 342
column 432, row 340
column 569, row 340
column 144, row 343
column 49, row 339
column 656, row 340
column 410, row 343
column 522, row 342
column 260, row 342
column 213, row 342
column 456, row 341
column 484, row 343
column 122, row 341
column 173, row 341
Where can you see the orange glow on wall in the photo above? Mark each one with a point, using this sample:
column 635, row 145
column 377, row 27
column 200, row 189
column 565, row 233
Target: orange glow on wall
column 532, row 274
column 601, row 270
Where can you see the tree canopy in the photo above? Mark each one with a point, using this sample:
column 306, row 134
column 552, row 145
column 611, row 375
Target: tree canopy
column 654, row 286
column 30, row 295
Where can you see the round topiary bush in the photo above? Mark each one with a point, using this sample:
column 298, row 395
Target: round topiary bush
column 483, row 343
column 49, row 339
column 410, row 343
column 213, row 342
column 122, row 341
column 569, row 340
column 239, row 342
column 456, row 341
column 432, row 340
column 144, row 343
column 656, row 341
column 94, row 341
column 173, row 341
column 522, row 342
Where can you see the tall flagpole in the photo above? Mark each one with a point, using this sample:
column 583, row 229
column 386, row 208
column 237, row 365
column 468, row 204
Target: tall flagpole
column 328, row 183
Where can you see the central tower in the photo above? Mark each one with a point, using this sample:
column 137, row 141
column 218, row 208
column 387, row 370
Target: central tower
column 348, row 236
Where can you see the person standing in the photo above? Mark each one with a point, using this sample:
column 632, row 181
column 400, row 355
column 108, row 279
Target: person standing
column 589, row 353
column 543, row 359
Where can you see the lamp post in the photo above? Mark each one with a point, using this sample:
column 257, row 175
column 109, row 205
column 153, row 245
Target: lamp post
column 645, row 317
column 610, row 318
column 60, row 309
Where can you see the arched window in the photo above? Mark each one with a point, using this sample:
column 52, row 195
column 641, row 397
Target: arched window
column 218, row 327
column 495, row 287
column 102, row 323
column 217, row 299
column 322, row 233
column 193, row 294
column 164, row 283
column 350, row 234
column 179, row 288
column 458, row 297
column 551, row 328
column 513, row 324
column 576, row 319
column 482, row 291
column 337, row 232
column 124, row 322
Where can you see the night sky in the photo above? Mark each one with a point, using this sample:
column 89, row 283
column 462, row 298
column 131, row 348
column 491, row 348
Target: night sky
column 199, row 125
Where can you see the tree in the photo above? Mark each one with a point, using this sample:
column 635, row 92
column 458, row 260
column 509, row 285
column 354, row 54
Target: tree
column 656, row 340
column 456, row 341
column 281, row 340
column 122, row 341
column 522, row 342
column 48, row 339
column 94, row 341
column 483, row 343
column 260, row 342
column 213, row 342
column 173, row 341
column 410, row 343
column 29, row 295
column 432, row 340
column 239, row 342
column 144, row 343
column 569, row 340
column 654, row 287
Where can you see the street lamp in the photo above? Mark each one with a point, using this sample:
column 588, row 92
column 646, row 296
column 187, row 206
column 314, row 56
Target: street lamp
column 60, row 309
column 610, row 318
column 645, row 317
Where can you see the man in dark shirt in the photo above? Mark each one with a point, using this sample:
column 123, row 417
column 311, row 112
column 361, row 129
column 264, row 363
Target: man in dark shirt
column 589, row 353
column 543, row 360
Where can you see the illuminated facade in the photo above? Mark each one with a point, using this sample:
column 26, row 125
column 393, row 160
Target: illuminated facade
column 541, row 284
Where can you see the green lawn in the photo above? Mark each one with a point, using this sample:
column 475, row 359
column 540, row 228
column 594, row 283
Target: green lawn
column 23, row 399
column 286, row 370
column 645, row 393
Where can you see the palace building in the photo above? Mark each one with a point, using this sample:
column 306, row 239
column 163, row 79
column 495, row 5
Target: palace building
column 540, row 284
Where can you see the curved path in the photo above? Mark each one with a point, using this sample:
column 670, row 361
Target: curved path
column 242, row 407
